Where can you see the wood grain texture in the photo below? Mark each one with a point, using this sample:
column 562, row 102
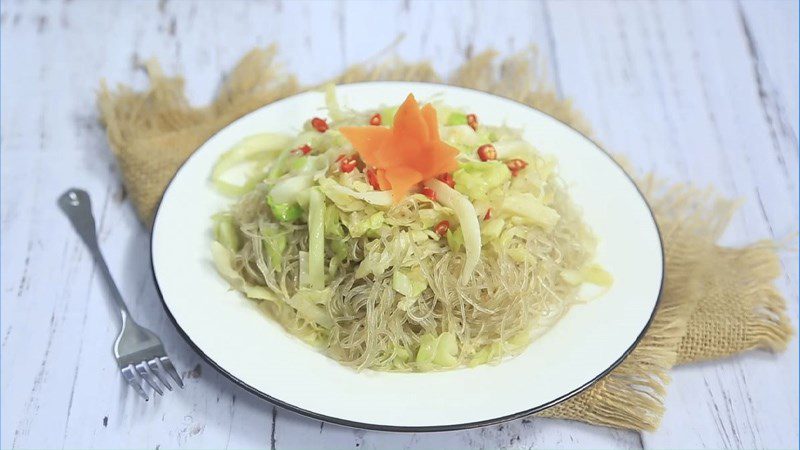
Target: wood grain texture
column 705, row 92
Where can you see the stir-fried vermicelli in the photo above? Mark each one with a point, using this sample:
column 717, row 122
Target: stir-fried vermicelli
column 357, row 251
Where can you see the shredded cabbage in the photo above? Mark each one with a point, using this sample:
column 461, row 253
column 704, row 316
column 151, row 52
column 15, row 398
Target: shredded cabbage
column 289, row 190
column 456, row 118
column 591, row 273
column 275, row 244
column 284, row 212
column 222, row 260
column 362, row 222
column 462, row 137
column 387, row 115
column 513, row 148
column 491, row 230
column 410, row 283
column 307, row 303
column 467, row 218
column 350, row 200
column 226, row 234
column 441, row 351
column 477, row 179
column 256, row 151
column 334, row 110
column 455, row 239
column 530, row 209
column 316, row 240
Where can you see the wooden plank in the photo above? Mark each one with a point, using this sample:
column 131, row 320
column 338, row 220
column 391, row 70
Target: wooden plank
column 661, row 80
column 771, row 33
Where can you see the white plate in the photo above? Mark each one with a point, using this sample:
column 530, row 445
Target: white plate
column 256, row 353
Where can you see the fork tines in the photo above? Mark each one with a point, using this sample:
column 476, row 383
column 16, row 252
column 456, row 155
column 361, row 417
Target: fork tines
column 152, row 372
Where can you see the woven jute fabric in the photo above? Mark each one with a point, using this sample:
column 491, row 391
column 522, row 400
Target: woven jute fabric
column 716, row 301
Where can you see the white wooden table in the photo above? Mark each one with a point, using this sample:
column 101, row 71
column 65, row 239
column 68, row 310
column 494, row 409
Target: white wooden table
column 701, row 92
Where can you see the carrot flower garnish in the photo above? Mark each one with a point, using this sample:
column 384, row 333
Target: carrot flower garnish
column 407, row 153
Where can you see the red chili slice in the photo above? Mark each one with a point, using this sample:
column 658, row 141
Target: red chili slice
column 304, row 150
column 441, row 228
column 487, row 152
column 515, row 165
column 372, row 178
column 319, row 124
column 447, row 179
column 347, row 164
column 428, row 192
column 375, row 119
column 488, row 214
column 472, row 121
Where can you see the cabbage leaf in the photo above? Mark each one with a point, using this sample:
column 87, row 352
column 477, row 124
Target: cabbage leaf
column 468, row 220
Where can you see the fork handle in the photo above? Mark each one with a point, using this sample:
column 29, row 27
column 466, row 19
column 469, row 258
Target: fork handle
column 78, row 207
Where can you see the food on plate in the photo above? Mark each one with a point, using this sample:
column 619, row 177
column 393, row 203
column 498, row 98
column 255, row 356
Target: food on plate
column 403, row 238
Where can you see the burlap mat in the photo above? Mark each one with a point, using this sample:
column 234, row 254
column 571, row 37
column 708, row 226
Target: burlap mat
column 716, row 301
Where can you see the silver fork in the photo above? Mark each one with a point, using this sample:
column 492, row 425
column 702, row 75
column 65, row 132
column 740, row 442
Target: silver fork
column 139, row 352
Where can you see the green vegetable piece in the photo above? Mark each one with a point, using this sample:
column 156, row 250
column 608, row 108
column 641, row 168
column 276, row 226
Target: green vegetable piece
column 456, row 118
column 347, row 199
column 455, row 239
column 427, row 349
column 488, row 135
column 274, row 244
column 333, row 266
column 481, row 357
column 468, row 223
column 520, row 255
column 387, row 116
column 401, row 354
column 226, row 234
column 285, row 212
column 279, row 166
column 463, row 137
column 410, row 283
column 597, row 275
column 222, row 260
column 572, row 277
column 485, row 354
column 299, row 164
column 519, row 340
column 439, row 351
column 334, row 110
column 333, row 226
column 292, row 190
column 373, row 222
column 339, row 249
column 593, row 273
column 446, row 350
column 316, row 239
column 491, row 229
column 307, row 303
column 531, row 209
column 476, row 179
column 258, row 150
column 430, row 217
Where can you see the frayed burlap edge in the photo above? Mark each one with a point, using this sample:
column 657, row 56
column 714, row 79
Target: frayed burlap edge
column 153, row 132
